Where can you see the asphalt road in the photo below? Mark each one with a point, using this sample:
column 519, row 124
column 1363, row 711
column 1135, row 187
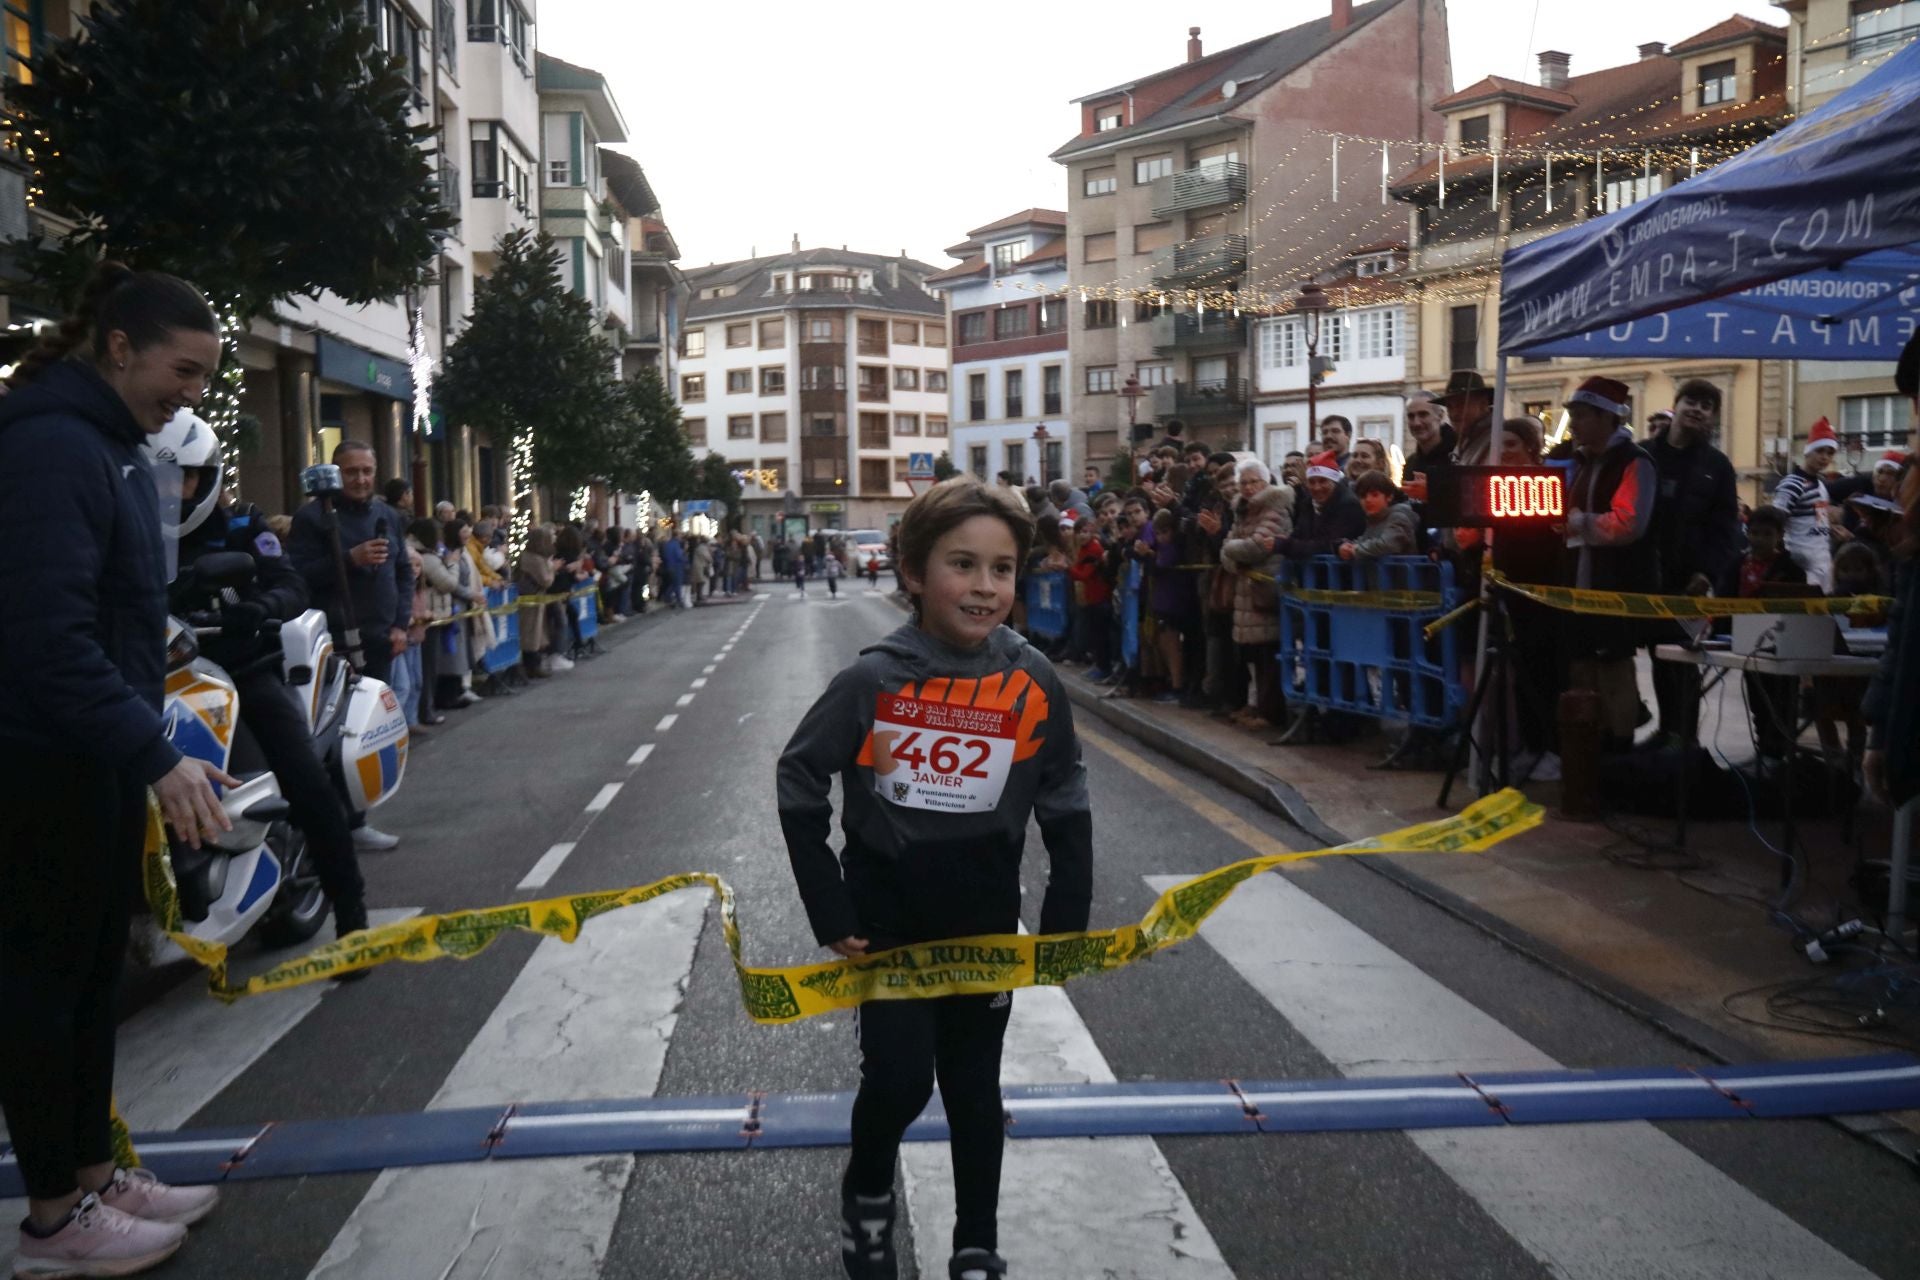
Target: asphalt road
column 503, row 783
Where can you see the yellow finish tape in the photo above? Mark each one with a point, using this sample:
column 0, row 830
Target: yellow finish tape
column 1620, row 604
column 955, row 966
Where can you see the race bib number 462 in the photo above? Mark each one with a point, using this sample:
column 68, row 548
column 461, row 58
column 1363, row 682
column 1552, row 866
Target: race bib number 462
column 935, row 755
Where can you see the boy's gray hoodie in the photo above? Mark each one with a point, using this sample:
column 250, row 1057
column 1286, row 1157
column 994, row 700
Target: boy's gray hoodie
column 911, row 874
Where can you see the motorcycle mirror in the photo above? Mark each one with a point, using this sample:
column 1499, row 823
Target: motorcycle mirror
column 220, row 569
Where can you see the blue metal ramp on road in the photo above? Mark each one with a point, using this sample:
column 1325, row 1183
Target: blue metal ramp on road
column 742, row 1121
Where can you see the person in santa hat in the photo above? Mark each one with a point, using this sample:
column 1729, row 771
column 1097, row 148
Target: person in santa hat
column 1610, row 499
column 1803, row 497
column 1331, row 516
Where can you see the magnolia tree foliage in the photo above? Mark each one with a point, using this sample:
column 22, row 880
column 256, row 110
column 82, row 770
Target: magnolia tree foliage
column 259, row 148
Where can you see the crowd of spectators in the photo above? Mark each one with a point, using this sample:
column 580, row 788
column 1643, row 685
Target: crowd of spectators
column 1212, row 531
column 440, row 582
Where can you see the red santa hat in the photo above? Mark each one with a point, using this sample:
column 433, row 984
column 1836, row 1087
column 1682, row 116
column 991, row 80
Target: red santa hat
column 1891, row 460
column 1820, row 437
column 1324, row 466
column 1609, row 395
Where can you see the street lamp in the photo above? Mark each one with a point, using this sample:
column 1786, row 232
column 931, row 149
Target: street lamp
column 1310, row 305
column 1040, row 447
column 1131, row 390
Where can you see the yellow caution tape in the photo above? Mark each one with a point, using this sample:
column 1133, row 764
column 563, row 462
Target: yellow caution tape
column 1623, row 604
column 498, row 610
column 954, row 966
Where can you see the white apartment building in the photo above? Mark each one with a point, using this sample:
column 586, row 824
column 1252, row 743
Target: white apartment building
column 810, row 371
column 577, row 115
column 1362, row 334
column 1007, row 312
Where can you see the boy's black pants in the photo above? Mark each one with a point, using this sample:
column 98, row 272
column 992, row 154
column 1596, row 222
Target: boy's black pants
column 905, row 1045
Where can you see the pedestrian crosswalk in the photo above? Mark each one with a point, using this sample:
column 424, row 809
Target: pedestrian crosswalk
column 598, row 1019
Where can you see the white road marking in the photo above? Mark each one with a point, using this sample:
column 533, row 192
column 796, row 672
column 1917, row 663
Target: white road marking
column 604, row 797
column 639, row 757
column 666, row 723
column 1131, row 1218
column 700, row 682
column 549, row 863
column 684, row 700
column 590, row 1020
column 708, row 669
column 176, row 1055
column 1564, row 1192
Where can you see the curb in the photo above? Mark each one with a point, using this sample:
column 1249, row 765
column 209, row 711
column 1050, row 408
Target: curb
column 1282, row 800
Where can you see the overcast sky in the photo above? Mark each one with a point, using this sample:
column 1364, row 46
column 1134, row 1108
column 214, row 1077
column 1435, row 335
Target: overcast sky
column 886, row 126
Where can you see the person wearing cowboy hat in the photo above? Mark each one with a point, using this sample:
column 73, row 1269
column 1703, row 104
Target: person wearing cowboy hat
column 1803, row 496
column 1469, row 403
column 1610, row 501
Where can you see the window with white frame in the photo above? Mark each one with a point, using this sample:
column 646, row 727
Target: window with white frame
column 1100, row 379
column 1374, row 264
column 1154, row 373
column 1371, row 333
column 1875, row 422
column 1147, row 168
column 1880, row 27
column 1622, row 192
column 1283, row 342
column 1005, row 255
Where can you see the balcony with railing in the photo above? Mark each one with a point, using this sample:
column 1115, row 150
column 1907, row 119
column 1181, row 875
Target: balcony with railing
column 446, row 36
column 1210, row 259
column 1200, row 187
column 447, row 174
column 1211, row 398
column 1188, row 332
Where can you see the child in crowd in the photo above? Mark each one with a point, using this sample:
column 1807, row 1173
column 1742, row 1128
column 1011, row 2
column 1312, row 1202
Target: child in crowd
column 1390, row 527
column 931, row 854
column 832, row 569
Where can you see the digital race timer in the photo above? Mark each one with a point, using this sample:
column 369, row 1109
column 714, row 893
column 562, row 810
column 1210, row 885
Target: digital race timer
column 1488, row 497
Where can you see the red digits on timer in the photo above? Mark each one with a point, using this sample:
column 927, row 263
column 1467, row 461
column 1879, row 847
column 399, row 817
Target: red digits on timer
column 1514, row 497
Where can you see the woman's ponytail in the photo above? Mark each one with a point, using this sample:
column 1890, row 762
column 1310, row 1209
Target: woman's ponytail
column 67, row 337
column 145, row 305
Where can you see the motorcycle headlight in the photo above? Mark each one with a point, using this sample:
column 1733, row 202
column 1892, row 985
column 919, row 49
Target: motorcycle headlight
column 182, row 649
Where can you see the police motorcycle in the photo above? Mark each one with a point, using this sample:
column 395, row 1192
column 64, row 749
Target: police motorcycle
column 258, row 877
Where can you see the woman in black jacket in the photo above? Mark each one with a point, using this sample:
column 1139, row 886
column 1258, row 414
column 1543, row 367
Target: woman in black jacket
column 82, row 664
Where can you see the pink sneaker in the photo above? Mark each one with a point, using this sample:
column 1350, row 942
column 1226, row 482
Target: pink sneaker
column 137, row 1193
column 97, row 1241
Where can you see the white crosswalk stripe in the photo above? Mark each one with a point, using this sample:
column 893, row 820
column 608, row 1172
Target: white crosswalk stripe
column 1373, row 1013
column 176, row 1055
column 1131, row 1217
column 590, row 1020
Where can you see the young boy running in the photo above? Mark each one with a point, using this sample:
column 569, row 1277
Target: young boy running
column 946, row 735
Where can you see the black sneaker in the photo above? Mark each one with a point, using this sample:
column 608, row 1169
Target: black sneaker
column 976, row 1264
column 349, row 917
column 866, row 1237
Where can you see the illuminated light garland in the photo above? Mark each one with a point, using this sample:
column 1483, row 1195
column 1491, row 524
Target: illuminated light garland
column 420, row 364
column 520, row 486
column 220, row 407
column 577, row 507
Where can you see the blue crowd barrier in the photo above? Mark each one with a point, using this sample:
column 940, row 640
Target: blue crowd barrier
column 586, row 610
column 1049, row 604
column 1129, row 594
column 1374, row 662
column 504, row 653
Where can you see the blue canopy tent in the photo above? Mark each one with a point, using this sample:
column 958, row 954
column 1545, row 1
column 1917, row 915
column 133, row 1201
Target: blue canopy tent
column 1806, row 246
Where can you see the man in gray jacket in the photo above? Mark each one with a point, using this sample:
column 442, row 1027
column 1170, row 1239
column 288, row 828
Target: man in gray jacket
column 379, row 584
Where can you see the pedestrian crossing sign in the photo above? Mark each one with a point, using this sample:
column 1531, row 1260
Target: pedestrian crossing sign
column 920, row 466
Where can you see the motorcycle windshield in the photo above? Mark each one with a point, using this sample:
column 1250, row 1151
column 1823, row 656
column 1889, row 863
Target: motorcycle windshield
column 169, row 483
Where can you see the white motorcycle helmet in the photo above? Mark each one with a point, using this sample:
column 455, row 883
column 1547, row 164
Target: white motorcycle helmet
column 186, row 444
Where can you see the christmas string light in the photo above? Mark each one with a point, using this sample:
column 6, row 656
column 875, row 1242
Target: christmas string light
column 420, row 364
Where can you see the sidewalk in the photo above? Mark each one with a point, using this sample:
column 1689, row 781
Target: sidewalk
column 1671, row 944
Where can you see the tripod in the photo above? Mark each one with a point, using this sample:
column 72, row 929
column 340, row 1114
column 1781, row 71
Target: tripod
column 1497, row 667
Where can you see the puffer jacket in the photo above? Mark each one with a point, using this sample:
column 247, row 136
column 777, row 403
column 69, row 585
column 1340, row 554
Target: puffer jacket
column 1390, row 535
column 1268, row 514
